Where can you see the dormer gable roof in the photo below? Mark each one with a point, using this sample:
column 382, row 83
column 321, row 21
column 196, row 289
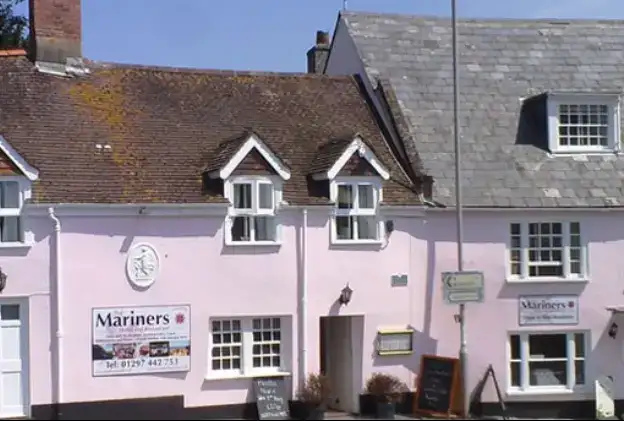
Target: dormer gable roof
column 333, row 157
column 231, row 153
column 11, row 161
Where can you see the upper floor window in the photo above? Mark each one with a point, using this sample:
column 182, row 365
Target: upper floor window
column 546, row 250
column 584, row 123
column 11, row 200
column 356, row 217
column 252, row 216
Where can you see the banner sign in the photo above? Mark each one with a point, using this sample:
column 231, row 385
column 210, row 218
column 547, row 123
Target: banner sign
column 135, row 340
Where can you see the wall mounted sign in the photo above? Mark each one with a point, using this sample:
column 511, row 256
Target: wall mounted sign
column 398, row 280
column 142, row 265
column 136, row 340
column 395, row 342
column 536, row 310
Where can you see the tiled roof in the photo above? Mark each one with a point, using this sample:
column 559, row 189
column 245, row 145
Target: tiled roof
column 165, row 126
column 501, row 62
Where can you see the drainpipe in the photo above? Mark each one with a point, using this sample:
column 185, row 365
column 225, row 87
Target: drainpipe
column 58, row 293
column 303, row 314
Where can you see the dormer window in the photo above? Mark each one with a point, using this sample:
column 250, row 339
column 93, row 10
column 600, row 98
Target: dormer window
column 355, row 176
column 10, row 212
column 252, row 215
column 357, row 209
column 583, row 123
column 253, row 178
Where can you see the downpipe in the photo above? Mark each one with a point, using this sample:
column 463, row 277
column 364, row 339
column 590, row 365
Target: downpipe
column 58, row 294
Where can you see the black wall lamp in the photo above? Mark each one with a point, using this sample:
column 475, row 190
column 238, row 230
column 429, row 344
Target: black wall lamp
column 3, row 279
column 345, row 295
column 613, row 330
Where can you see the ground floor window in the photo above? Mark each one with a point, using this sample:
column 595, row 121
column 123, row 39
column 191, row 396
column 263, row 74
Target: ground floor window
column 548, row 360
column 246, row 346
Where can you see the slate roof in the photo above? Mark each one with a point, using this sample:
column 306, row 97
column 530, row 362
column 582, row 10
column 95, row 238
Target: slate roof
column 501, row 61
column 165, row 126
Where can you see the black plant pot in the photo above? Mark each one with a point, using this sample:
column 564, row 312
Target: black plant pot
column 300, row 410
column 385, row 410
column 314, row 413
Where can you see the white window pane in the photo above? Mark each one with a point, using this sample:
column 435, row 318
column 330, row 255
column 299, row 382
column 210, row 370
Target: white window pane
column 514, row 347
column 265, row 228
column 266, row 348
column 10, row 229
column 366, row 196
column 265, row 196
column 9, row 312
column 345, row 196
column 241, row 228
column 344, row 228
column 9, row 194
column 548, row 373
column 579, row 345
column 515, row 373
column 226, row 352
column 579, row 372
column 242, row 196
column 367, row 227
column 548, row 346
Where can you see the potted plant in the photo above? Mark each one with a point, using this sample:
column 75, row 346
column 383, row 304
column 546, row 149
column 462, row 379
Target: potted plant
column 387, row 390
column 313, row 397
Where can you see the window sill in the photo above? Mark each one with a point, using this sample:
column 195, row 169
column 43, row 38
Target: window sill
column 356, row 242
column 238, row 376
column 253, row 243
column 547, row 280
column 547, row 393
column 15, row 245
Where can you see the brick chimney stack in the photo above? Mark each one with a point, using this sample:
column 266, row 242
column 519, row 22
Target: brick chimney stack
column 55, row 31
column 317, row 55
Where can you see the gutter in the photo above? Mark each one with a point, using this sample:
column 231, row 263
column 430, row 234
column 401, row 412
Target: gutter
column 58, row 293
column 303, row 302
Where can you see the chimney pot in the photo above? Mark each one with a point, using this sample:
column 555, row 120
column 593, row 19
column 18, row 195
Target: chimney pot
column 322, row 38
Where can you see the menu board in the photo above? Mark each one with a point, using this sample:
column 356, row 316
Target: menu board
column 437, row 383
column 271, row 399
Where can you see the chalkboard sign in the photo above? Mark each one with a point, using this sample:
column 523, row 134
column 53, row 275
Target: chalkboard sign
column 271, row 399
column 437, row 383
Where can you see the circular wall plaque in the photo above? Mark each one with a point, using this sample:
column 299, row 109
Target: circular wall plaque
column 142, row 265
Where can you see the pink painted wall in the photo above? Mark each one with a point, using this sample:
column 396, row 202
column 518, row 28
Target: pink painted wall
column 217, row 281
column 488, row 325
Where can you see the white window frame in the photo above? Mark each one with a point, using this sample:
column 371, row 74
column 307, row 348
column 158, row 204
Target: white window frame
column 612, row 101
column 524, row 252
column 376, row 183
column 228, row 187
column 247, row 369
column 25, row 192
column 571, row 385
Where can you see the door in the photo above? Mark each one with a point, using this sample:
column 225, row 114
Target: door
column 339, row 358
column 13, row 358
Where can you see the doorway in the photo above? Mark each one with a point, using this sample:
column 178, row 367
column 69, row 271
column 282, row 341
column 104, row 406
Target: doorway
column 341, row 344
column 14, row 385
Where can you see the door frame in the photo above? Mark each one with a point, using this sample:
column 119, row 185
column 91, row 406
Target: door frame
column 24, row 314
column 356, row 323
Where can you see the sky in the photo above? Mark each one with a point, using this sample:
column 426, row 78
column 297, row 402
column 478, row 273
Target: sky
column 268, row 35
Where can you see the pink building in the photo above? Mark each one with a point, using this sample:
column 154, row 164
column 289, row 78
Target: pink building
column 540, row 120
column 167, row 236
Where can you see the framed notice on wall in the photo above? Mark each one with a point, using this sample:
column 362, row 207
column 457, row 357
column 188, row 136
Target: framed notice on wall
column 136, row 340
column 395, row 342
